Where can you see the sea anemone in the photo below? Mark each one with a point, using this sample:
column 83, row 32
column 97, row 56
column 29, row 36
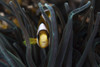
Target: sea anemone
column 49, row 33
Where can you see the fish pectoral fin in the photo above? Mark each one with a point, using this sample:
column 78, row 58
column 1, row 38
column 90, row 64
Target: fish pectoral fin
column 33, row 41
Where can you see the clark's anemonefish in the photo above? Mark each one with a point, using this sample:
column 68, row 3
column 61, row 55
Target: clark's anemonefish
column 42, row 33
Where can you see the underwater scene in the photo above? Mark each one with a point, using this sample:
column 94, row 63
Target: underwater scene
column 49, row 33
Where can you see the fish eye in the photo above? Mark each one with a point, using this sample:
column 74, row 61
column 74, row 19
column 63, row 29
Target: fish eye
column 48, row 14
